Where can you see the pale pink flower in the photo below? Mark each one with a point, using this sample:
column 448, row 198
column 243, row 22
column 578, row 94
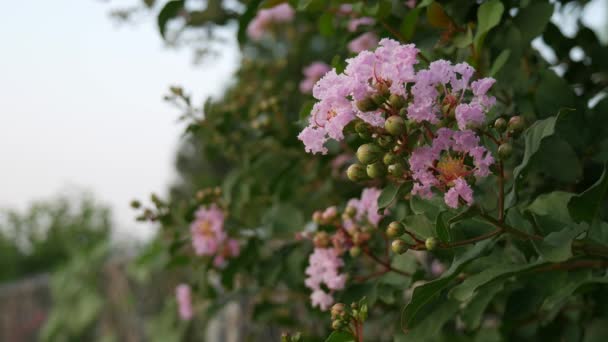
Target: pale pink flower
column 312, row 74
column 323, row 268
column 366, row 41
column 367, row 206
column 184, row 301
column 353, row 24
column 264, row 19
column 208, row 230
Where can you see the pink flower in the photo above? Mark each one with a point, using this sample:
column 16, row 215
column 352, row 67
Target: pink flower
column 184, row 301
column 367, row 206
column 462, row 190
column 366, row 41
column 410, row 3
column 282, row 13
column 469, row 115
column 208, row 230
column 323, row 268
column 353, row 24
column 312, row 74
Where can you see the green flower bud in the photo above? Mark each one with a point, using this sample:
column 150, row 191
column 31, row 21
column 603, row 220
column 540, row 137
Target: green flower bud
column 516, row 124
column 350, row 211
column 399, row 246
column 356, row 172
column 376, row 170
column 366, row 105
column 336, row 325
column 135, row 204
column 396, row 101
column 500, row 124
column 395, row 125
column 369, row 153
column 505, row 150
column 395, row 229
column 317, row 217
column 337, row 309
column 431, row 243
column 355, row 251
column 389, row 158
column 396, row 170
column 378, row 99
column 354, row 306
column 362, row 127
column 386, row 141
column 321, row 240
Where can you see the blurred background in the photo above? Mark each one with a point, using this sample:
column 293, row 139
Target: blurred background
column 84, row 129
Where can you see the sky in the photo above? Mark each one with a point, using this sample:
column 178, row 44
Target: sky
column 81, row 104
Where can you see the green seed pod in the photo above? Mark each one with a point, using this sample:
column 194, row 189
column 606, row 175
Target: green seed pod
column 396, row 101
column 367, row 105
column 389, row 158
column 505, row 150
column 386, row 141
column 500, row 124
column 355, row 251
column 369, row 153
column 395, row 125
column 403, row 112
column 378, row 99
column 431, row 243
column 399, row 246
column 516, row 124
column 394, row 229
column 356, row 172
column 396, row 170
column 362, row 127
column 376, row 170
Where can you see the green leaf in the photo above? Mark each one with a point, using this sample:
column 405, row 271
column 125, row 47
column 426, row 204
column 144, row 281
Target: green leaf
column 553, row 204
column 431, row 325
column 586, row 206
column 442, row 229
column 425, row 293
column 597, row 331
column 532, row 20
column 499, row 62
column 473, row 312
column 326, row 24
column 408, row 25
column 463, row 39
column 488, row 16
column 467, row 288
column 340, row 336
column 169, row 11
column 533, row 137
column 557, row 246
column 306, row 109
column 388, row 195
column 424, row 3
column 553, row 94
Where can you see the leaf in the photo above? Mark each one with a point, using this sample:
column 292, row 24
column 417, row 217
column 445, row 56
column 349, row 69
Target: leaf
column 553, row 94
column 442, row 229
column 424, row 3
column 499, row 62
column 169, row 11
column 597, row 331
column 437, row 16
column 408, row 25
column 488, row 16
column 425, row 293
column 586, row 206
column 473, row 312
column 553, row 303
column 553, row 204
column 432, row 324
column 533, row 138
column 532, row 20
column 467, row 288
column 557, row 246
column 340, row 336
column 245, row 19
column 306, row 109
column 388, row 195
column 326, row 24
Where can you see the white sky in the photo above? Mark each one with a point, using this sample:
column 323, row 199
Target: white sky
column 81, row 104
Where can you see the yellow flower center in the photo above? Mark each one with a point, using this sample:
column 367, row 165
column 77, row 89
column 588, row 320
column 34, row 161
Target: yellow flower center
column 204, row 227
column 451, row 169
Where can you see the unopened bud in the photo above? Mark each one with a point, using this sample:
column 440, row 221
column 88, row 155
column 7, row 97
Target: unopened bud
column 500, row 124
column 376, row 170
column 394, row 229
column 337, row 309
column 350, row 211
column 431, row 243
column 369, row 153
column 356, row 172
column 516, row 125
column 321, row 240
column 317, row 217
column 362, row 127
column 336, row 325
column 505, row 150
column 396, row 101
column 135, row 204
column 355, row 251
column 386, row 141
column 366, row 105
column 389, row 158
column 395, row 125
column 399, row 246
column 396, row 170
column 378, row 99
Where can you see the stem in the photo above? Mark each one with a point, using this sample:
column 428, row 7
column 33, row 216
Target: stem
column 393, row 32
column 473, row 240
column 509, row 229
column 386, row 265
column 501, row 192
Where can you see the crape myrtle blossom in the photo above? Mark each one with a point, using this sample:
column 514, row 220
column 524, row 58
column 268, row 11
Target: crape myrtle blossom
column 209, row 237
column 366, row 41
column 353, row 24
column 443, row 165
column 323, row 269
column 312, row 73
column 390, row 66
column 367, row 206
column 183, row 296
column 264, row 19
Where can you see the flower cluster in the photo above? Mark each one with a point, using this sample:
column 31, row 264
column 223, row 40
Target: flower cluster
column 352, row 230
column 282, row 13
column 312, row 74
column 422, row 122
column 209, row 237
column 183, row 295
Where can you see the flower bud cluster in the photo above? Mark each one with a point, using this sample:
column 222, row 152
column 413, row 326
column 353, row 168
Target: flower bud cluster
column 343, row 317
